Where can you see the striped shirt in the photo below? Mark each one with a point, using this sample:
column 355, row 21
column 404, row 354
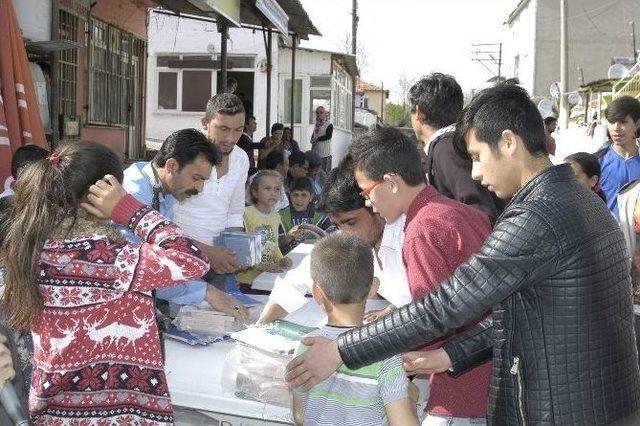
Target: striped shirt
column 353, row 397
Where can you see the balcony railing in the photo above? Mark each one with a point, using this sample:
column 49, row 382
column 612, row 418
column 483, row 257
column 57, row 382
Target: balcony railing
column 630, row 85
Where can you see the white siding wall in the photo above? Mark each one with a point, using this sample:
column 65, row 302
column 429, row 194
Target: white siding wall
column 307, row 64
column 170, row 34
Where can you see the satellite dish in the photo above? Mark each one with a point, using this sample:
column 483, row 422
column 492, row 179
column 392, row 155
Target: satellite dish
column 545, row 106
column 617, row 71
column 554, row 90
column 575, row 98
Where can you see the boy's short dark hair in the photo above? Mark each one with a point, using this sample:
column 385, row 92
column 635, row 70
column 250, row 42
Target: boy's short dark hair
column 499, row 108
column 342, row 266
column 24, row 155
column 185, row 146
column 224, row 103
column 277, row 126
column 550, row 120
column 386, row 150
column 273, row 159
column 622, row 107
column 313, row 158
column 297, row 158
column 302, row 184
column 439, row 97
column 340, row 192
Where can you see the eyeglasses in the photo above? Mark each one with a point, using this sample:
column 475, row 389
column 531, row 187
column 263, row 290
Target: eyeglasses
column 365, row 192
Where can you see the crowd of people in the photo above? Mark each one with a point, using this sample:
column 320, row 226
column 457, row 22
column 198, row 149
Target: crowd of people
column 509, row 280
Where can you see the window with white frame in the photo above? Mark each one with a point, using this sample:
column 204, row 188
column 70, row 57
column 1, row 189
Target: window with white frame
column 186, row 82
column 342, row 98
column 319, row 95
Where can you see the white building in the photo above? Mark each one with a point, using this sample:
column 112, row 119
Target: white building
column 183, row 73
column 322, row 79
column 599, row 33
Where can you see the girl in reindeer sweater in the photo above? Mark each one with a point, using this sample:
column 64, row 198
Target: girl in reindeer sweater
column 85, row 292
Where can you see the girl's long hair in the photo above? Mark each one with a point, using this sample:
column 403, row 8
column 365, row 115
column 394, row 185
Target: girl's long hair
column 47, row 192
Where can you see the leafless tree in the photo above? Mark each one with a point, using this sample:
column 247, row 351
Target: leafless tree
column 403, row 85
column 361, row 51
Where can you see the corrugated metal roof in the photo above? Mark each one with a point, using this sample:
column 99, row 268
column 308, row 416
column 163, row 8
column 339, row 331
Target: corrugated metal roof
column 299, row 21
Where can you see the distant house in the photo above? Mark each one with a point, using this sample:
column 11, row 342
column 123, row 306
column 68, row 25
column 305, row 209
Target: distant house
column 599, row 35
column 371, row 97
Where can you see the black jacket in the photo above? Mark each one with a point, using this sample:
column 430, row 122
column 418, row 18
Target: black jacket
column 556, row 274
column 450, row 174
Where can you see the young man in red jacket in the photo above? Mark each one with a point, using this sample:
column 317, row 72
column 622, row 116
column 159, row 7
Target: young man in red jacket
column 440, row 234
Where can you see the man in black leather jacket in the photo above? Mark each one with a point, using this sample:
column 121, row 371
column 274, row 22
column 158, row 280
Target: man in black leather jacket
column 554, row 271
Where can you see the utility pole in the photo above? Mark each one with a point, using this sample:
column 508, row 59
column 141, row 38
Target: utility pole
column 500, row 63
column 563, row 120
column 491, row 54
column 354, row 48
column 633, row 40
column 382, row 102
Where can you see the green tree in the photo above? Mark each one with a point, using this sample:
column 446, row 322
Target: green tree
column 396, row 115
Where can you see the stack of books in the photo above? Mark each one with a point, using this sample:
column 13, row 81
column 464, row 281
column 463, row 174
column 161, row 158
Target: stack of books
column 246, row 245
column 205, row 321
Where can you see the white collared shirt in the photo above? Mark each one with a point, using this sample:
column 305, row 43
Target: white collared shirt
column 220, row 205
column 437, row 134
column 394, row 284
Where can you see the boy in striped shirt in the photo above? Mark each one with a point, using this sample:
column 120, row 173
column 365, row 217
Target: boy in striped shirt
column 378, row 394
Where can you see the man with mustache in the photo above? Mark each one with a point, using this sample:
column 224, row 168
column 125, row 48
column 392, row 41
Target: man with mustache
column 177, row 172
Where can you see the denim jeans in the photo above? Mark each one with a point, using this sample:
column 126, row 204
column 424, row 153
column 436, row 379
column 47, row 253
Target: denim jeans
column 432, row 420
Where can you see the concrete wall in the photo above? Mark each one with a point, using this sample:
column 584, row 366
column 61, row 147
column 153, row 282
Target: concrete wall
column 34, row 17
column 597, row 31
column 170, row 34
column 374, row 100
column 522, row 46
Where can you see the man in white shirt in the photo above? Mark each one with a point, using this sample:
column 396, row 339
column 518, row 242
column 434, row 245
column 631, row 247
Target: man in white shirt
column 220, row 205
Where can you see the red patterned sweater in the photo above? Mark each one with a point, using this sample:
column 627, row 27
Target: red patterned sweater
column 97, row 358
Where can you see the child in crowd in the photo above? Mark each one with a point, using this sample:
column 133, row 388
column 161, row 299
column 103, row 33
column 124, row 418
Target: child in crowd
column 23, row 156
column 264, row 192
column 300, row 211
column 587, row 170
column 279, row 161
column 378, row 394
column 84, row 292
